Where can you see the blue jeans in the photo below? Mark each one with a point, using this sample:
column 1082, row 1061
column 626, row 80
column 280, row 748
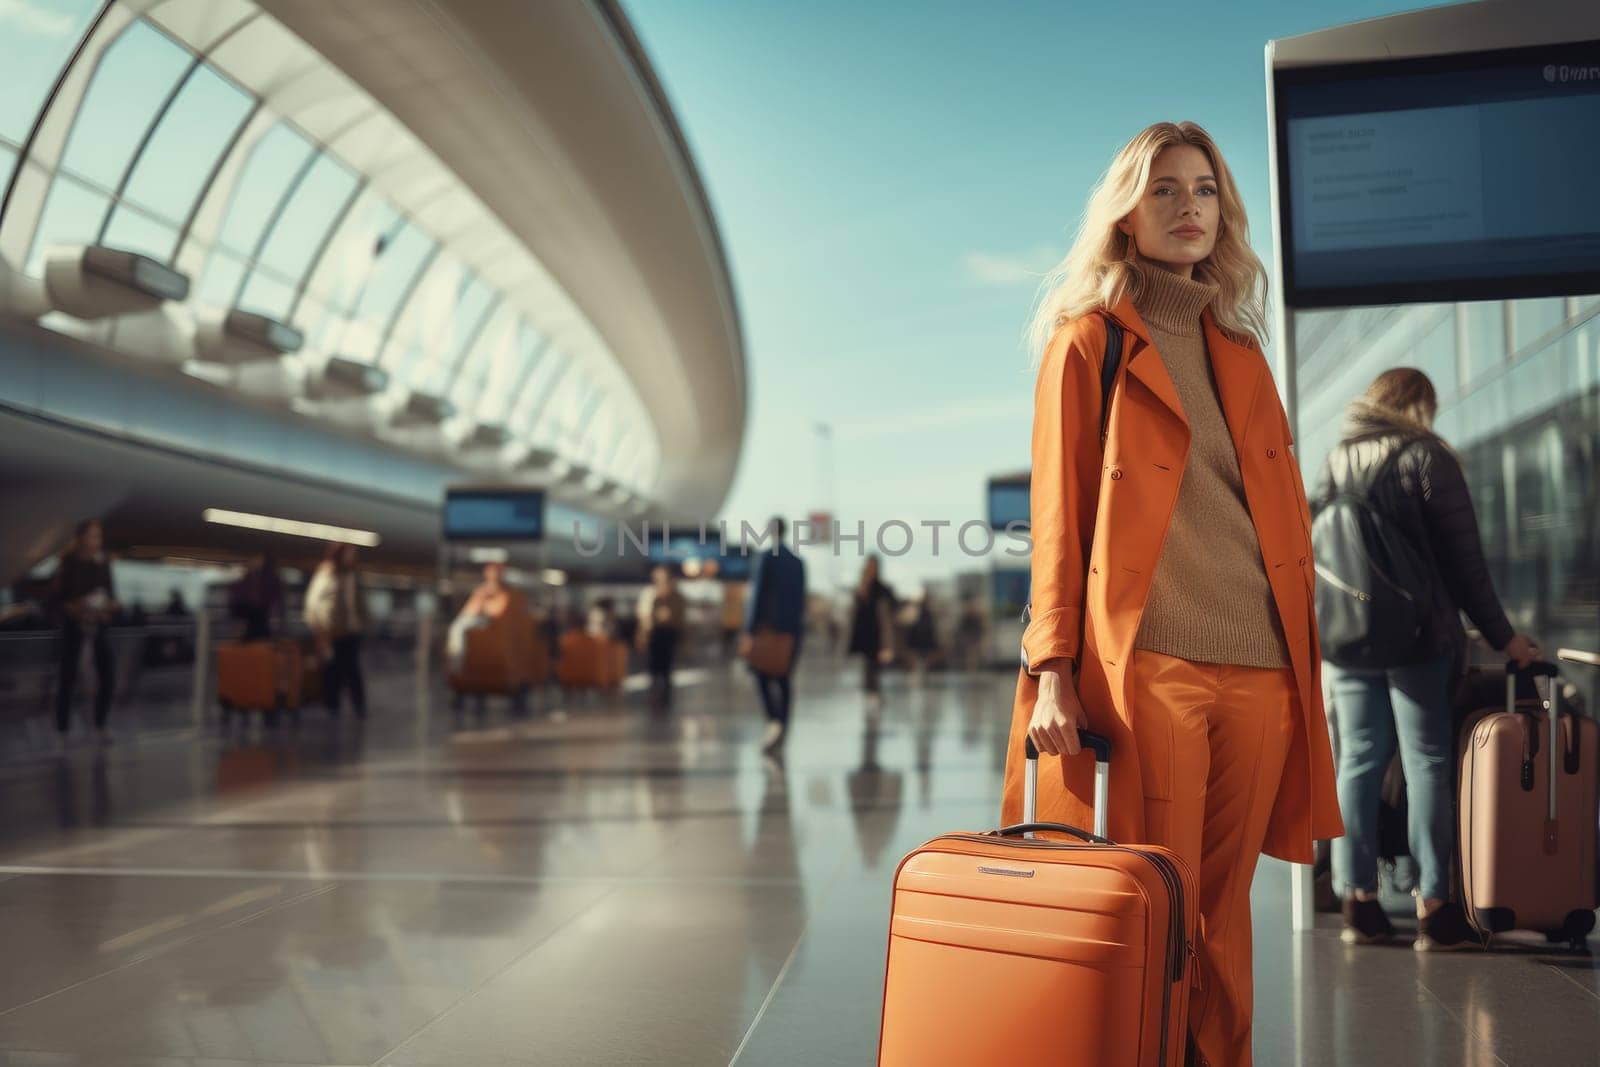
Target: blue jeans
column 1375, row 709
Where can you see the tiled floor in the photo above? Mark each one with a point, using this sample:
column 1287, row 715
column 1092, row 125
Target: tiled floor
column 614, row 886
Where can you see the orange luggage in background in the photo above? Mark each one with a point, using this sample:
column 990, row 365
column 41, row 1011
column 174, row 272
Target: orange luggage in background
column 579, row 665
column 616, row 664
column 1009, row 949
column 1528, row 816
column 497, row 658
column 538, row 653
column 258, row 675
column 591, row 662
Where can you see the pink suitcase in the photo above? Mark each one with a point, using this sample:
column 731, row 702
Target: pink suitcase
column 1529, row 815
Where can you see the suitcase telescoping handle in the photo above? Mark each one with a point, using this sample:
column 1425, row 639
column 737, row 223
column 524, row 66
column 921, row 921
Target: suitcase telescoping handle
column 1101, row 747
column 1536, row 670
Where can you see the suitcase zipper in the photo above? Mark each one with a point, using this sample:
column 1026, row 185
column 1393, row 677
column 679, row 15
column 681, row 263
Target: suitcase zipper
column 1174, row 882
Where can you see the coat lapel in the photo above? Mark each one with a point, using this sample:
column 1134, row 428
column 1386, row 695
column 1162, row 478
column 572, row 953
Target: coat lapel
column 1239, row 371
column 1144, row 362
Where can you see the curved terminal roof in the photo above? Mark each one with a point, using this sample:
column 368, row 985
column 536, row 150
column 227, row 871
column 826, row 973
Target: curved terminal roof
column 469, row 230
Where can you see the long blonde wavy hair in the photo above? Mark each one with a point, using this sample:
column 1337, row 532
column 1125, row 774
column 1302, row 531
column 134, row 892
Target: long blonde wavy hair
column 1101, row 267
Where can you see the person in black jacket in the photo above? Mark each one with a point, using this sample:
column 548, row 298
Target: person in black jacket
column 86, row 599
column 872, row 629
column 1391, row 456
column 776, row 605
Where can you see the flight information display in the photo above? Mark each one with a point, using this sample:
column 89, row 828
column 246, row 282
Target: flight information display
column 728, row 564
column 1462, row 177
column 1008, row 502
column 494, row 515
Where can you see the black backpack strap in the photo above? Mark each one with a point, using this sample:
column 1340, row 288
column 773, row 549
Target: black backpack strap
column 1108, row 373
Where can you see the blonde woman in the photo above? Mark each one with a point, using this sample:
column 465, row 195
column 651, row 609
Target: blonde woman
column 1172, row 577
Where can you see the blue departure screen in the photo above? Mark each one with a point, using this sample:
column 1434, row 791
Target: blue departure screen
column 1008, row 503
column 1466, row 177
column 494, row 515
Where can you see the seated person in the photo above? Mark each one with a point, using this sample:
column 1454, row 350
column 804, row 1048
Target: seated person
column 490, row 602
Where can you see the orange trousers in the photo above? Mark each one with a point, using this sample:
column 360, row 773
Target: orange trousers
column 1212, row 741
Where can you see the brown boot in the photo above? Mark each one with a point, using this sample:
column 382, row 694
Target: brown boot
column 1365, row 922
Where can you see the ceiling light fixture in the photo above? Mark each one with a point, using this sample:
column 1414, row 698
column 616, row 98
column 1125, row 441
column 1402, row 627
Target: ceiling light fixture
column 292, row 527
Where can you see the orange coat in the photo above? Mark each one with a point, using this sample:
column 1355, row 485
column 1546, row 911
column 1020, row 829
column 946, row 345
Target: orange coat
column 1096, row 542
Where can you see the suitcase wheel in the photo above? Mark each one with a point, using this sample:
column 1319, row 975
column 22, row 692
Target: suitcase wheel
column 1575, row 931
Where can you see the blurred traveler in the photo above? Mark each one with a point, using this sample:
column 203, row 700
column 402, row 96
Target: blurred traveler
column 256, row 599
column 971, row 634
column 1171, row 594
column 490, row 599
column 872, row 628
column 662, row 611
column 336, row 615
column 84, row 594
column 733, row 601
column 1393, row 491
column 176, row 607
column 773, row 627
column 494, row 645
column 601, row 619
column 922, row 637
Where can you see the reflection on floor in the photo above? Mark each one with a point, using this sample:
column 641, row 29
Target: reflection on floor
column 604, row 886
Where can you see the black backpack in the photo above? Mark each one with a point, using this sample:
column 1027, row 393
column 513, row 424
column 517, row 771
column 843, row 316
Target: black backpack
column 1374, row 585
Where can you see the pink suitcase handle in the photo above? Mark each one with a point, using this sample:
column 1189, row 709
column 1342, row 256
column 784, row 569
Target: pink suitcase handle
column 1534, row 671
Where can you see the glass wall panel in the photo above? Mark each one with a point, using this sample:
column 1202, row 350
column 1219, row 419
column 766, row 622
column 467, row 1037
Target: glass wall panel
column 397, row 262
column 71, row 216
column 315, row 206
column 135, row 76
column 36, row 41
column 497, row 342
column 507, row 372
column 219, row 282
column 175, row 165
column 371, row 224
column 267, row 294
column 136, row 231
column 1532, row 319
column 531, row 412
column 476, row 301
column 424, row 323
column 1435, row 353
column 266, row 176
column 1483, row 344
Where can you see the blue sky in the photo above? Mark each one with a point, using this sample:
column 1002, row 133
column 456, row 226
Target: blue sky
column 891, row 179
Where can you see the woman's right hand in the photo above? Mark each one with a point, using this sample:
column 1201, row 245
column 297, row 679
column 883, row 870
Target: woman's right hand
column 1522, row 651
column 1057, row 715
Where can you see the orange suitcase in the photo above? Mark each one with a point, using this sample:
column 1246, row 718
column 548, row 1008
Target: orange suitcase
column 582, row 661
column 495, row 660
column 1005, row 948
column 616, row 664
column 1528, row 816
column 258, row 675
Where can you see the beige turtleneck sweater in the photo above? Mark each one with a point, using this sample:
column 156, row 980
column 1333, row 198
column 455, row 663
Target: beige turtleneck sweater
column 1209, row 600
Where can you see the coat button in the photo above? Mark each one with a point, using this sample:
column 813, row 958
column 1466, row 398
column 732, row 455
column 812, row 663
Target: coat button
column 1272, row 453
column 1302, row 561
column 1116, row 474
